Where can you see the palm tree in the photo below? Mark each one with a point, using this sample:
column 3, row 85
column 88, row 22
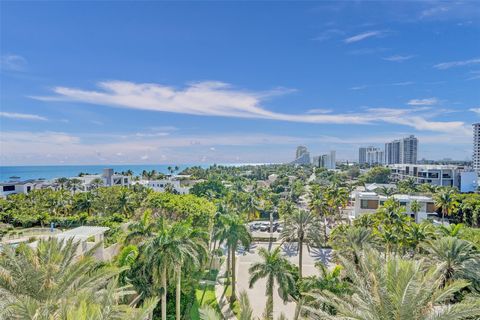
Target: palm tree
column 84, row 203
column 125, row 203
column 392, row 288
column 415, row 207
column 351, row 241
column 141, row 230
column 95, row 183
column 302, row 227
column 74, row 184
column 234, row 232
column 274, row 268
column 457, row 258
column 44, row 282
column 168, row 251
column 251, row 206
column 62, row 182
column 445, row 201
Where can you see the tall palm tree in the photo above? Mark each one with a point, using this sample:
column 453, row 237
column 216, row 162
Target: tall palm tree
column 445, row 201
column 415, row 207
column 302, row 227
column 457, row 258
column 234, row 233
column 392, row 288
column 168, row 251
column 276, row 269
column 44, row 282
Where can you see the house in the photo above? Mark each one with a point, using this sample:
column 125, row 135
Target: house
column 108, row 178
column 369, row 202
column 15, row 187
column 163, row 184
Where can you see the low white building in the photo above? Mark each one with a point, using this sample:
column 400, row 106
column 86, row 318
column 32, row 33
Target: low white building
column 437, row 175
column 15, row 187
column 370, row 202
column 108, row 178
column 164, row 184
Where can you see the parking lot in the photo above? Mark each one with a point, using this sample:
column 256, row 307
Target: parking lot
column 261, row 229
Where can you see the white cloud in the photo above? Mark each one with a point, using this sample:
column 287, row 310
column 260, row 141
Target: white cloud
column 328, row 34
column 220, row 99
column 423, row 102
column 363, row 36
column 476, row 110
column 398, row 58
column 460, row 63
column 319, row 111
column 22, row 116
column 13, row 62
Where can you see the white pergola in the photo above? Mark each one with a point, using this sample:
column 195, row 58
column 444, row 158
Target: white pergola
column 83, row 233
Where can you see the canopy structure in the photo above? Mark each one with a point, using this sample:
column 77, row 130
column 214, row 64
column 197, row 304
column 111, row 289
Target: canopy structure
column 83, row 233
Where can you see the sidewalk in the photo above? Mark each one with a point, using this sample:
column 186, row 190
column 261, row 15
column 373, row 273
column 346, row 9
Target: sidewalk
column 224, row 305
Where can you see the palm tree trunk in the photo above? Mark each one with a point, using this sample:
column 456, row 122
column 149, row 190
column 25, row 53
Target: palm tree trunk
column 325, row 228
column 233, row 297
column 269, row 306
column 300, row 258
column 443, row 217
column 164, row 293
column 228, row 262
column 178, row 293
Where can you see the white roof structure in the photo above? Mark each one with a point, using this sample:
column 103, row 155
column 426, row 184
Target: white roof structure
column 82, row 233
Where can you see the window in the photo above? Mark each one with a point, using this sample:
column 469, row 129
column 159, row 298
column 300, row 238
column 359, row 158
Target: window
column 369, row 204
column 29, row 188
column 403, row 203
column 9, row 188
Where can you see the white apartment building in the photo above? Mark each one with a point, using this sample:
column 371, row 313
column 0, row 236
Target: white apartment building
column 437, row 175
column 402, row 151
column 370, row 202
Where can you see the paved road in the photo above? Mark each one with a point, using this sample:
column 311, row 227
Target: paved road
column 257, row 295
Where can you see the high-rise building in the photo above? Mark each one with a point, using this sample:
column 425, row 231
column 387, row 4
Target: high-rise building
column 327, row 161
column 402, row 151
column 375, row 156
column 408, row 151
column 362, row 155
column 370, row 155
column 302, row 156
column 476, row 147
column 301, row 150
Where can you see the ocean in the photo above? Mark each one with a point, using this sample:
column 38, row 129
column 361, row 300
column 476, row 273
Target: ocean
column 51, row 172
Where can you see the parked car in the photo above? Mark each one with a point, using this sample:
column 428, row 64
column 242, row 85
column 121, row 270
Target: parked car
column 265, row 226
column 279, row 229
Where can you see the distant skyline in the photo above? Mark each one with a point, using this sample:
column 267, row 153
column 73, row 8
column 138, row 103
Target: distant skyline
column 234, row 82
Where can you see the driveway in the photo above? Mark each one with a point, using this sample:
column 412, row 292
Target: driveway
column 257, row 295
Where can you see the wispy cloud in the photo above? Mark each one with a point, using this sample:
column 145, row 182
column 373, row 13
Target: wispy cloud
column 319, row 111
column 474, row 74
column 453, row 64
column 476, row 110
column 13, row 62
column 329, row 34
column 363, row 36
column 22, row 116
column 221, row 99
column 423, row 102
column 398, row 58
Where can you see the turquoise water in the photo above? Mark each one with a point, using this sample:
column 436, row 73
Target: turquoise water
column 52, row 172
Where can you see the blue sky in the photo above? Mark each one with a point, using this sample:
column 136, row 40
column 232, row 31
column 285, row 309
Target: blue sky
column 186, row 82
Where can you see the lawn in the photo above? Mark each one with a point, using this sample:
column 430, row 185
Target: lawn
column 208, row 299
